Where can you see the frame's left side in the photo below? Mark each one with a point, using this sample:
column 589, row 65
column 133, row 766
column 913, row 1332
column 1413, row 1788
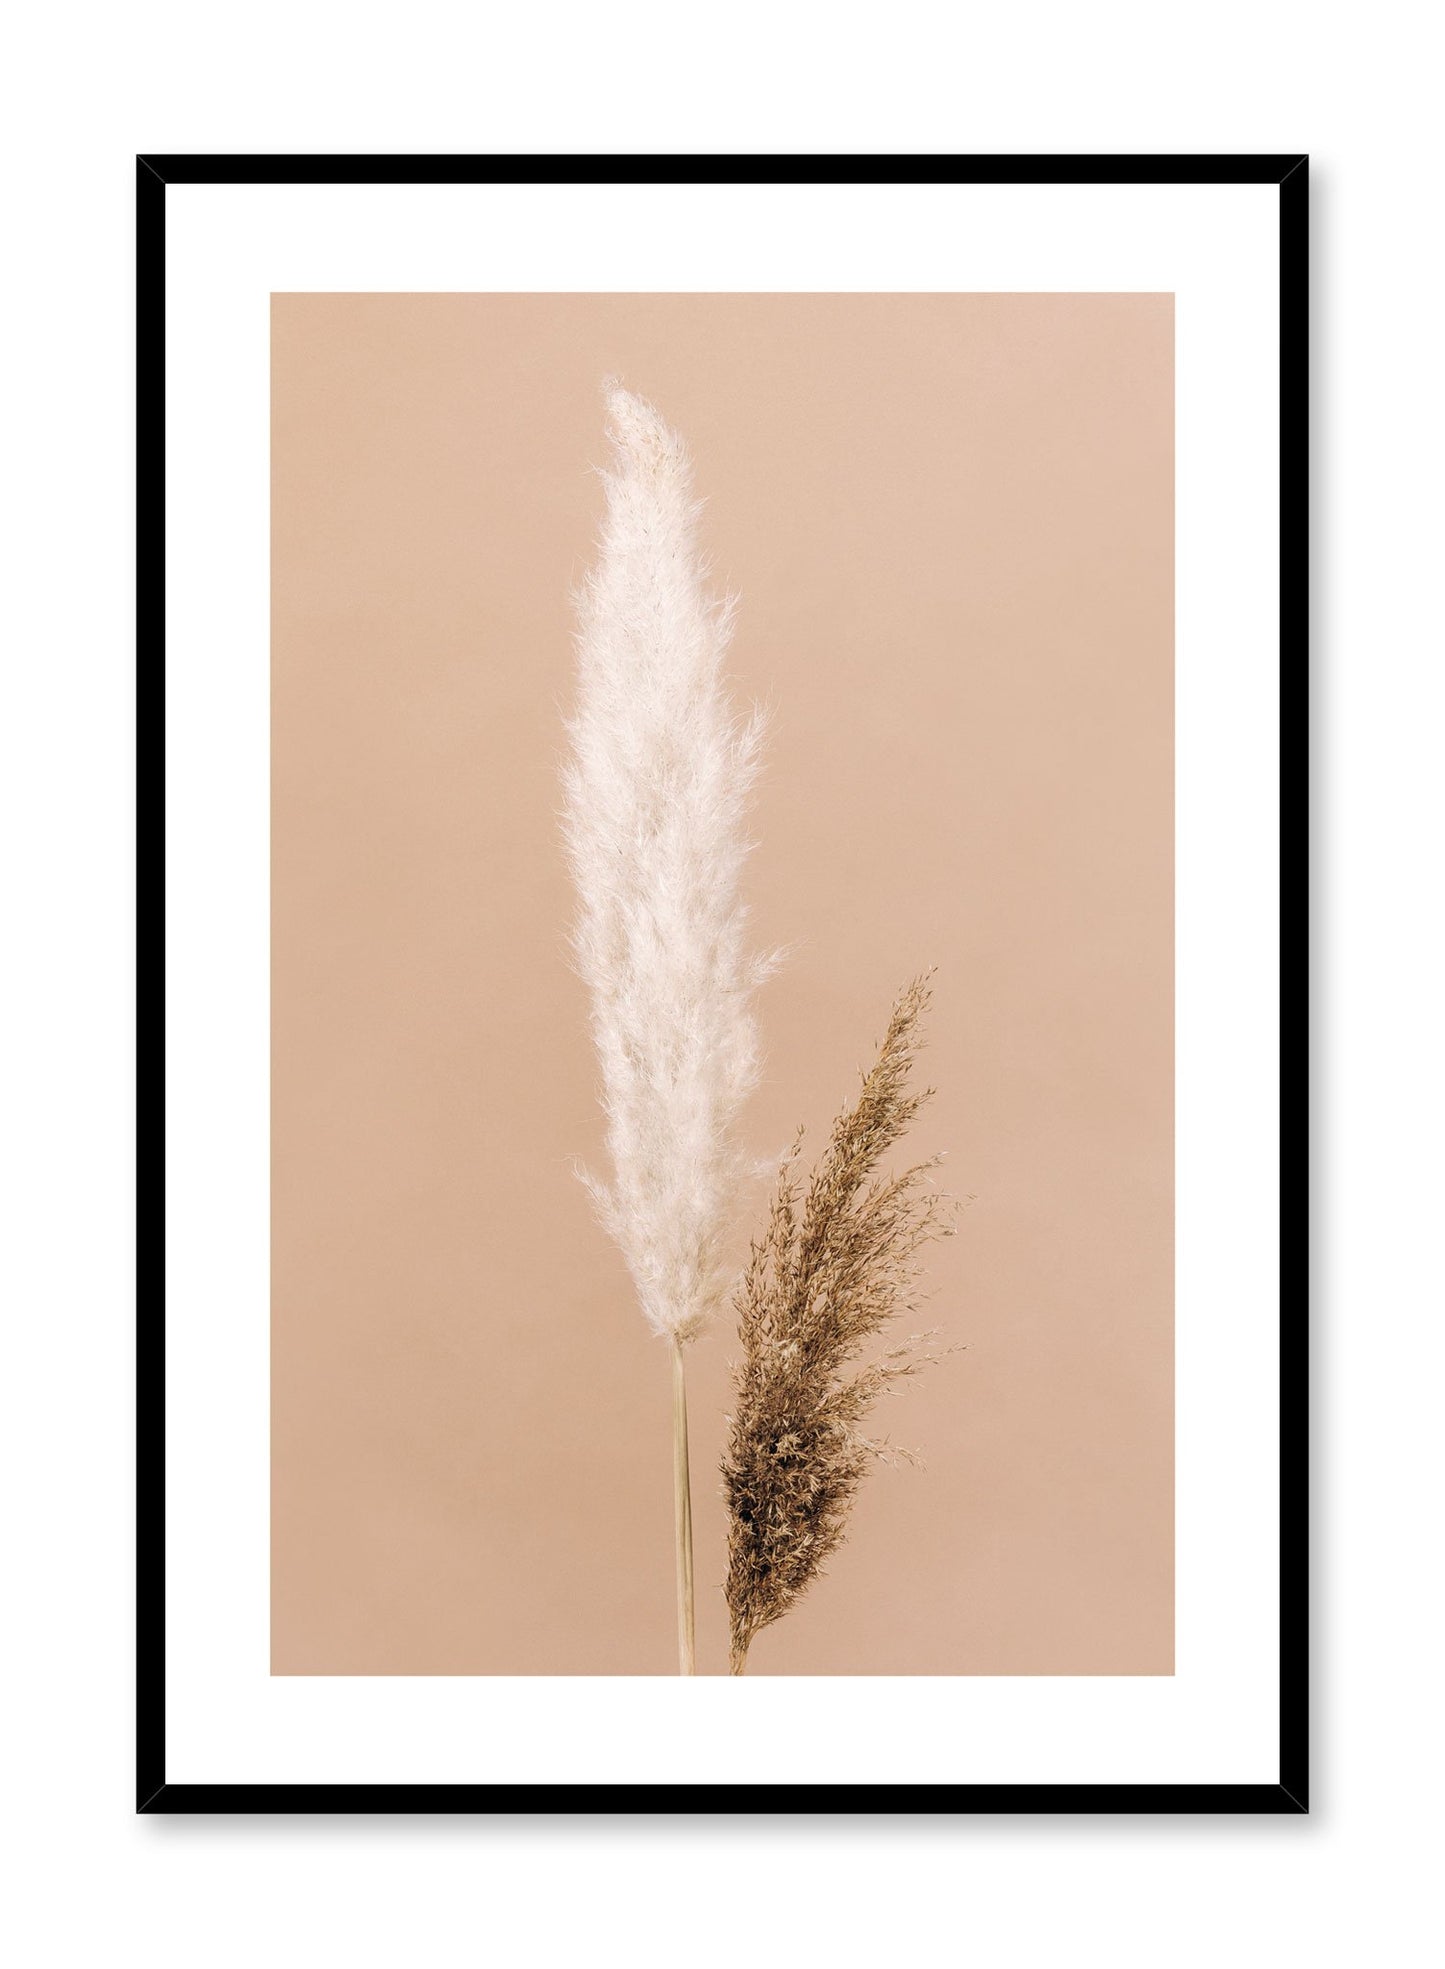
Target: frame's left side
column 150, row 637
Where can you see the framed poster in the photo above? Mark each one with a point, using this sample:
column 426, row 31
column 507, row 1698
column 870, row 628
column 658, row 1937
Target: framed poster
column 756, row 683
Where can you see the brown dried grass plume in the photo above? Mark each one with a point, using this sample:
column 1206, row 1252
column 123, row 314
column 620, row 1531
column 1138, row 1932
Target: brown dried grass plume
column 834, row 1267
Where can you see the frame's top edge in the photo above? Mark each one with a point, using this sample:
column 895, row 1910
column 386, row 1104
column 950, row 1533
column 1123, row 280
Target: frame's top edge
column 841, row 167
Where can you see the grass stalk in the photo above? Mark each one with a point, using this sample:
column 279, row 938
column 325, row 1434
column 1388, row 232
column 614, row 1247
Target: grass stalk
column 682, row 1515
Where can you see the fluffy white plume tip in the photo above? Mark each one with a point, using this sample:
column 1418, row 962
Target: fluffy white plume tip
column 656, row 793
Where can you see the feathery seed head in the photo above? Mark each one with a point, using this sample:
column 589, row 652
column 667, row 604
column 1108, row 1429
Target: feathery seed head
column 656, row 791
column 834, row 1267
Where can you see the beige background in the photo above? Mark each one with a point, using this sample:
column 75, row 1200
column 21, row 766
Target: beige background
column 949, row 518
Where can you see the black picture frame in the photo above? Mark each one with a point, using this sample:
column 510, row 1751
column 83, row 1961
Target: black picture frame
column 1290, row 1796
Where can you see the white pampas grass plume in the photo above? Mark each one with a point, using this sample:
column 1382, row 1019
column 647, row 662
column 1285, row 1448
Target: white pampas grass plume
column 656, row 788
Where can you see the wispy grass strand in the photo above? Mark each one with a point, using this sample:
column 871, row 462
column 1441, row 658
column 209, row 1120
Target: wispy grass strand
column 835, row 1266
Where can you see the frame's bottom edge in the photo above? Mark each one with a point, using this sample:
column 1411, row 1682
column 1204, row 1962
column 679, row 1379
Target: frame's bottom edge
column 861, row 1799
